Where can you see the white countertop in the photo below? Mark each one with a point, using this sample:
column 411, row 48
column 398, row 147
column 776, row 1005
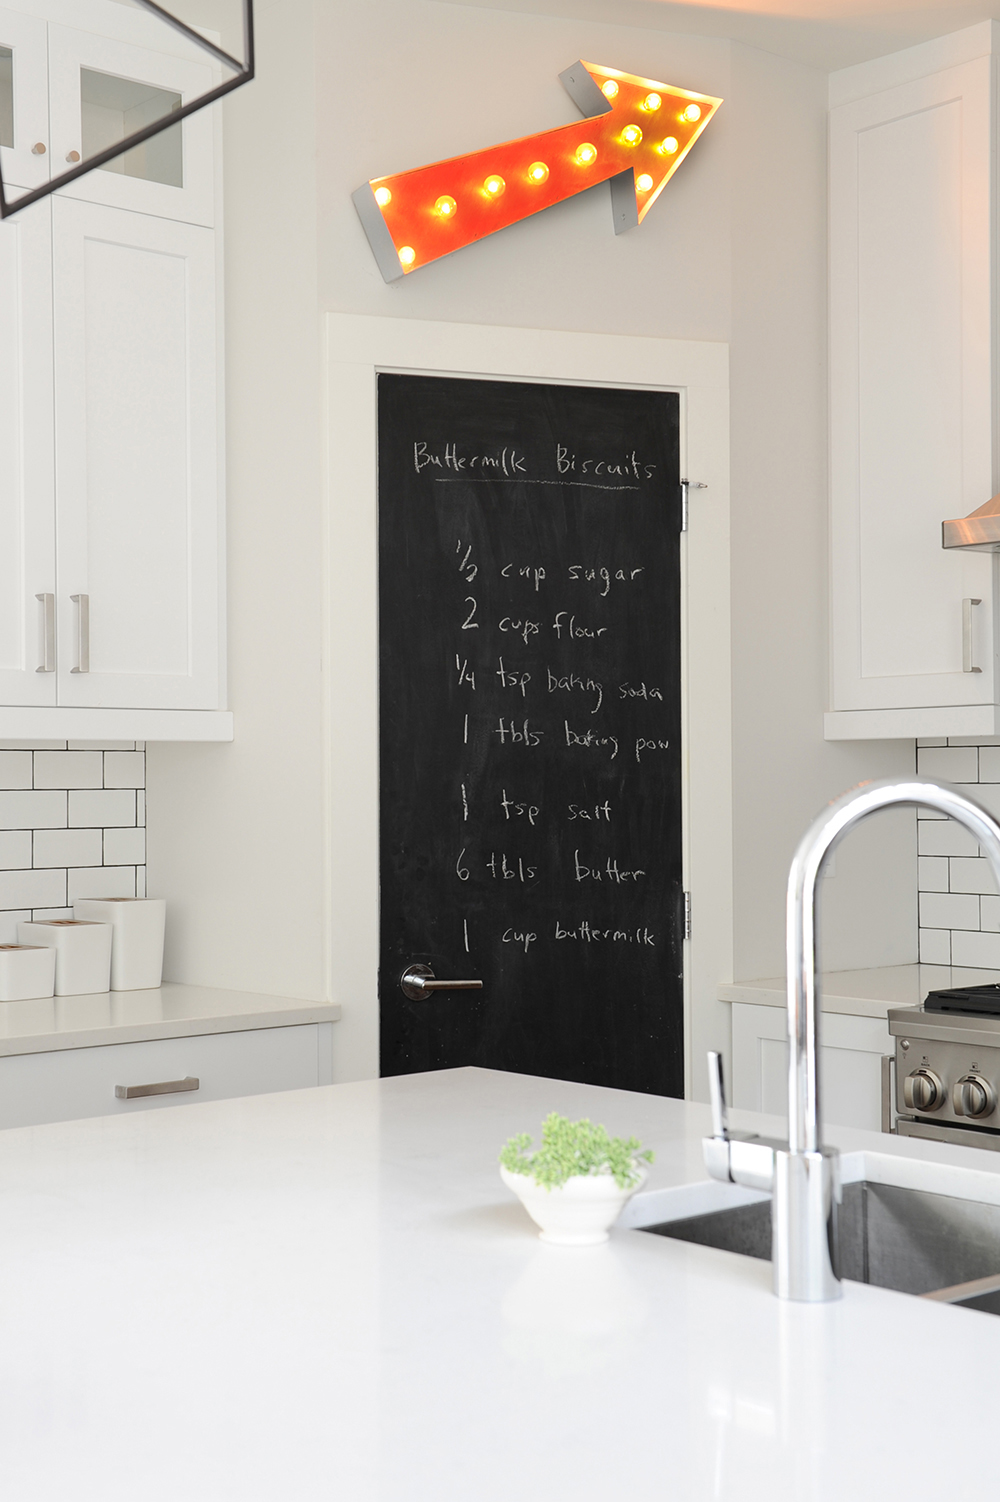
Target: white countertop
column 864, row 993
column 170, row 1011
column 329, row 1296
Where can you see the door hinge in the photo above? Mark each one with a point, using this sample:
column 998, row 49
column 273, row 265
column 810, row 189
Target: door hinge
column 687, row 915
column 686, row 487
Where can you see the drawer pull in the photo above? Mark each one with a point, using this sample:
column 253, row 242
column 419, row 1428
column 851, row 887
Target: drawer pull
column 165, row 1087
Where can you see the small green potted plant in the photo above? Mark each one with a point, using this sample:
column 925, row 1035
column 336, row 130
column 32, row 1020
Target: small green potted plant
column 575, row 1185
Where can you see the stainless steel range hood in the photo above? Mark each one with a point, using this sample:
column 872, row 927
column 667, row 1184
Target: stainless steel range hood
column 977, row 533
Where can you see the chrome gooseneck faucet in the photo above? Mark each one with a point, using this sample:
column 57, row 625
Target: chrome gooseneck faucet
column 802, row 1175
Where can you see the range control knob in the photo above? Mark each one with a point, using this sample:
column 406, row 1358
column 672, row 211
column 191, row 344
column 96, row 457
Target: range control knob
column 973, row 1096
column 923, row 1090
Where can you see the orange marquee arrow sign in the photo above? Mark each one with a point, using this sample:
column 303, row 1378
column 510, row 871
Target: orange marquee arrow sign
column 636, row 135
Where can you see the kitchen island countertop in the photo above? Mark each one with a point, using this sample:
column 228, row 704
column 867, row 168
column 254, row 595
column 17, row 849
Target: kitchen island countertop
column 329, row 1294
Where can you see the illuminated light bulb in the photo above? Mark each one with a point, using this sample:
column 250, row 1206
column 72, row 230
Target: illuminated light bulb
column 631, row 135
column 407, row 255
column 609, row 89
column 494, row 185
column 537, row 172
column 586, row 154
column 652, row 102
column 382, row 197
column 644, row 183
column 669, row 146
column 692, row 113
column 445, row 206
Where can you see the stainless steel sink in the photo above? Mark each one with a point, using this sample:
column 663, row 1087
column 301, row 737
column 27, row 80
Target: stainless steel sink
column 934, row 1245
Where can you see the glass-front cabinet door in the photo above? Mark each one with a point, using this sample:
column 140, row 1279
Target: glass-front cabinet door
column 25, row 153
column 102, row 91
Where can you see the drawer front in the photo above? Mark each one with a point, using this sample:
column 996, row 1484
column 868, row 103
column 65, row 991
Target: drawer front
column 76, row 1082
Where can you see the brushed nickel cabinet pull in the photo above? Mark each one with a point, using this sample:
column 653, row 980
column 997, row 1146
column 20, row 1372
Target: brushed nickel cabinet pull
column 48, row 604
column 165, row 1087
column 967, row 636
column 82, row 603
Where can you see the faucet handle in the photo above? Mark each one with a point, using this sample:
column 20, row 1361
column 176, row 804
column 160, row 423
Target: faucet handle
column 717, row 1096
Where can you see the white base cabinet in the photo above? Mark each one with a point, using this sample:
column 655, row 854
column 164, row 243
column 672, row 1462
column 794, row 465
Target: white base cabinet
column 70, row 1083
column 854, row 1091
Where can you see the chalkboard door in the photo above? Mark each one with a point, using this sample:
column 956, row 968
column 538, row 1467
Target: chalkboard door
column 530, row 754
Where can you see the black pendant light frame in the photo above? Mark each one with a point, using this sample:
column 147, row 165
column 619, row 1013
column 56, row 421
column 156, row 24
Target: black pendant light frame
column 244, row 72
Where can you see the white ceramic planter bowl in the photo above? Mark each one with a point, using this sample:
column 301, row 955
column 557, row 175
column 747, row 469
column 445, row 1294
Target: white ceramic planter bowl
column 577, row 1213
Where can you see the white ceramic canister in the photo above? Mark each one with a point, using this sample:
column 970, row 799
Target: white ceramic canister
column 27, row 971
column 137, row 925
column 82, row 951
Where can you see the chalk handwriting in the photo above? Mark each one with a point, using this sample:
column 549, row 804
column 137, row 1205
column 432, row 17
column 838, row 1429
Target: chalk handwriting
column 610, row 871
column 589, row 935
column 512, row 810
column 628, row 465
column 590, row 738
column 571, row 682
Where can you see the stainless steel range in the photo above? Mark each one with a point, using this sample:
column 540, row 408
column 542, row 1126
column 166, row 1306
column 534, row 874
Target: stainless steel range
column 948, row 1066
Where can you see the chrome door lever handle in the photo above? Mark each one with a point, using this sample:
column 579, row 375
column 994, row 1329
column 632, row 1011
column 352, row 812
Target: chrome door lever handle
column 418, row 980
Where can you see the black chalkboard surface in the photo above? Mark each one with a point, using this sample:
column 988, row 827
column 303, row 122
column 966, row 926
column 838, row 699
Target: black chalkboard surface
column 529, row 564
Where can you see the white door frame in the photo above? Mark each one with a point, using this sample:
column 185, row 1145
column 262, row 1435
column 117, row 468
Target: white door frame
column 357, row 349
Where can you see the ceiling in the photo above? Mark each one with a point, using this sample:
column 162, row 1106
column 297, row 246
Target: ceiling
column 824, row 34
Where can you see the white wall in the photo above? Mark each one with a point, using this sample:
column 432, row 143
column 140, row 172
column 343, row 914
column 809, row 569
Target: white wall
column 734, row 250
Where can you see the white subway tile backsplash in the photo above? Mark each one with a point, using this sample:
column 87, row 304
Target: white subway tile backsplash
column 15, row 769
column 953, row 763
column 944, row 838
column 124, row 847
column 68, row 827
column 69, row 769
column 8, row 925
column 935, row 946
column 92, row 809
column 15, row 849
column 30, row 810
column 966, row 876
column 21, row 889
column 68, row 847
column 990, row 914
column 140, row 809
column 979, row 950
column 932, row 873
column 949, row 910
column 124, row 769
column 102, row 881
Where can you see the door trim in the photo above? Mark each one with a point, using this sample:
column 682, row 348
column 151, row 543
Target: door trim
column 357, row 349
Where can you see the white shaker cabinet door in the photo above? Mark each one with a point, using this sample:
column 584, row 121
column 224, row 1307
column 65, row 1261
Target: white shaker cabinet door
column 912, row 387
column 25, row 148
column 27, row 555
column 850, row 1065
column 137, row 513
column 103, row 90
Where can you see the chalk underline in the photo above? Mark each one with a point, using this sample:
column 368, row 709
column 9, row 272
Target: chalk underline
column 507, row 480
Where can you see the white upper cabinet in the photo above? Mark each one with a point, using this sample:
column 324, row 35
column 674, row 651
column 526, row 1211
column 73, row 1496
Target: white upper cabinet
column 913, row 385
column 111, row 580
column 136, row 426
column 100, row 92
column 24, row 110
column 27, row 555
